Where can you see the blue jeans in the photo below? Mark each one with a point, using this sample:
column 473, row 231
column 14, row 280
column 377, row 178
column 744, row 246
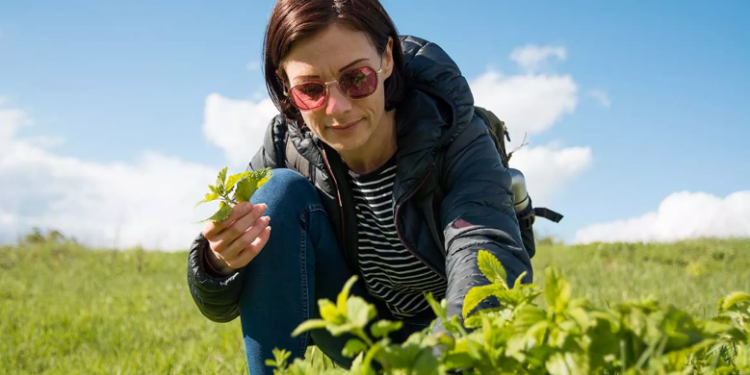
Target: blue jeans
column 300, row 264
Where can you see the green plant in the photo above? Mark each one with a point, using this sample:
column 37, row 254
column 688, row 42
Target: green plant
column 233, row 190
column 564, row 336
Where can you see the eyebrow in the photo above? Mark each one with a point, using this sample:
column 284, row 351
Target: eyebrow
column 347, row 66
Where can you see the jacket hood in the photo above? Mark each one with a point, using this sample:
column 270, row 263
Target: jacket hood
column 430, row 70
column 437, row 106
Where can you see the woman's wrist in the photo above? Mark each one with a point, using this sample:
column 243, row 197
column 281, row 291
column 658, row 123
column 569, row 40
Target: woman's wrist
column 218, row 266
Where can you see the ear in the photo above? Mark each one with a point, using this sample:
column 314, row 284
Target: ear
column 388, row 59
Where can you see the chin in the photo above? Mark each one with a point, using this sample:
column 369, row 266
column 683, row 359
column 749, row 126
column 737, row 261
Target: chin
column 347, row 143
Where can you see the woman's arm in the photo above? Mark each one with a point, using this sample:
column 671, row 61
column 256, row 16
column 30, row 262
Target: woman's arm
column 477, row 214
column 215, row 292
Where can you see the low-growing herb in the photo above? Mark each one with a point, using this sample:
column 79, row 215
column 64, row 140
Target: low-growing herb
column 234, row 189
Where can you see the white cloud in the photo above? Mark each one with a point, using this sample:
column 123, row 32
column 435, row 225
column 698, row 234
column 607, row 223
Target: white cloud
column 237, row 126
column 601, row 96
column 149, row 203
column 531, row 57
column 11, row 120
column 682, row 215
column 547, row 169
column 252, row 66
column 529, row 103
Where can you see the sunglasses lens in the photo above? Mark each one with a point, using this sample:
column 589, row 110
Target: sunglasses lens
column 308, row 96
column 359, row 83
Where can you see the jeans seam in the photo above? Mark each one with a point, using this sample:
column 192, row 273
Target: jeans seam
column 304, row 219
column 304, row 286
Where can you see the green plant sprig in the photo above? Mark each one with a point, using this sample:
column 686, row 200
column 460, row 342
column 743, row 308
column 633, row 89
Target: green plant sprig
column 233, row 190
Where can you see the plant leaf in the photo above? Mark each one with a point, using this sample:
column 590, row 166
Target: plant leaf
column 330, row 313
column 222, row 214
column 344, row 294
column 492, row 269
column 733, row 299
column 359, row 312
column 353, row 347
column 477, row 294
column 439, row 311
column 233, row 179
column 309, row 325
column 209, row 197
column 557, row 290
column 245, row 189
column 425, row 363
column 221, row 179
column 382, row 328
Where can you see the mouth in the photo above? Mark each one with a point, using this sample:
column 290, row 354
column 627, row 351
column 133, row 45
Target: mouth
column 345, row 127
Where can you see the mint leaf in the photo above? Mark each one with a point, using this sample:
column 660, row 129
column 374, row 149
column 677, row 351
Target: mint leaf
column 344, row 294
column 733, row 299
column 330, row 313
column 492, row 269
column 233, row 179
column 209, row 197
column 425, row 363
column 248, row 184
column 353, row 347
column 221, row 179
column 245, row 189
column 477, row 294
column 359, row 312
column 222, row 214
column 382, row 328
column 439, row 310
column 557, row 290
column 309, row 325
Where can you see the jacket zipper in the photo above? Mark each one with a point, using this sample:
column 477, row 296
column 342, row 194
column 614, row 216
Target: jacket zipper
column 401, row 238
column 398, row 207
column 341, row 205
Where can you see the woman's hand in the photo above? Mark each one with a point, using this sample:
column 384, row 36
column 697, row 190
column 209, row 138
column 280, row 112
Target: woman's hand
column 236, row 241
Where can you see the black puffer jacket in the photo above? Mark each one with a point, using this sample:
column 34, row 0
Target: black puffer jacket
column 436, row 115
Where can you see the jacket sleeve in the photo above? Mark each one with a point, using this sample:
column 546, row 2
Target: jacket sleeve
column 477, row 214
column 217, row 295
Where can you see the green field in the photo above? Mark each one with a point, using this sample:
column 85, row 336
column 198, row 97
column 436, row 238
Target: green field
column 69, row 310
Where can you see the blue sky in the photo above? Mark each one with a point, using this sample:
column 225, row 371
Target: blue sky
column 115, row 79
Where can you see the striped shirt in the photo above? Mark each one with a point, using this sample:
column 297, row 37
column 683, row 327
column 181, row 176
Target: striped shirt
column 390, row 271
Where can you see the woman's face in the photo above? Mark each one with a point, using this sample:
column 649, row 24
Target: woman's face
column 344, row 123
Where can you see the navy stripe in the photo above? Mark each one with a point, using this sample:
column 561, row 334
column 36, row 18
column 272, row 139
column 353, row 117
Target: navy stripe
column 389, row 270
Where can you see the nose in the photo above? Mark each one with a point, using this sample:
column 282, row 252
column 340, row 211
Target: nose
column 338, row 103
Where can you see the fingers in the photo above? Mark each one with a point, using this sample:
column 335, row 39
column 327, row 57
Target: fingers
column 239, row 227
column 212, row 229
column 251, row 251
column 246, row 238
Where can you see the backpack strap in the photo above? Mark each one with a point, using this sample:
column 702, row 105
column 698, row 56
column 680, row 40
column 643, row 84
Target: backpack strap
column 548, row 214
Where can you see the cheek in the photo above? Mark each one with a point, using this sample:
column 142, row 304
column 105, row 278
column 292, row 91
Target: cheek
column 313, row 121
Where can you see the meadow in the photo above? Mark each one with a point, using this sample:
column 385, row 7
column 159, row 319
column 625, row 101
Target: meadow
column 66, row 309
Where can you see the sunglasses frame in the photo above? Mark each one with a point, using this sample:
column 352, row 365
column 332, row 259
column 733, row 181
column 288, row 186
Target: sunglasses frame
column 326, row 84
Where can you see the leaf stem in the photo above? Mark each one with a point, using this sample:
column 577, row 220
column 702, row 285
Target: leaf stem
column 361, row 334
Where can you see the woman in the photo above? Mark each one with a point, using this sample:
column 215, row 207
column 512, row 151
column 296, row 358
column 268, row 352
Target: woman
column 364, row 113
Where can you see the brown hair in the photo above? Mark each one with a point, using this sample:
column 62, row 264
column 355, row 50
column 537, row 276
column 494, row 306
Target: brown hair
column 293, row 20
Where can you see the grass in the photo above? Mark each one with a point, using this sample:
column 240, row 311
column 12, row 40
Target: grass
column 69, row 310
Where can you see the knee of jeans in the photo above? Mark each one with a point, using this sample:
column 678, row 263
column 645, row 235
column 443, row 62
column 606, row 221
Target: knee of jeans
column 286, row 190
